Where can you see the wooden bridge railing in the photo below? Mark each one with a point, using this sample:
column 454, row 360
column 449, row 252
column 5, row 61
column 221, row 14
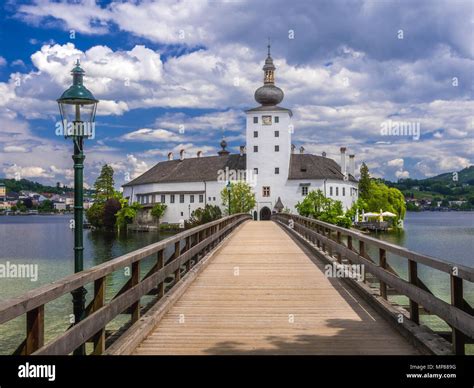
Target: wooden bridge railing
column 188, row 248
column 459, row 314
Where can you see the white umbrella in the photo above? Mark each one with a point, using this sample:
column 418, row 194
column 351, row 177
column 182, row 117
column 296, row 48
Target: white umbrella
column 372, row 214
column 388, row 214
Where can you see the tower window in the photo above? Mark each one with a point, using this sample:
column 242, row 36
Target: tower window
column 277, row 133
column 277, row 170
column 255, row 120
column 277, row 119
column 304, row 190
column 277, row 148
column 255, row 133
column 266, row 191
column 255, row 171
column 255, row 148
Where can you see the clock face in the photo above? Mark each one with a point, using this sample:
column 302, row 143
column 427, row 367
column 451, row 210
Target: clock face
column 267, row 120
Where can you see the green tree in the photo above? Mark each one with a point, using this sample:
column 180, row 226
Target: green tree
column 111, row 207
column 316, row 205
column 242, row 198
column 104, row 184
column 157, row 211
column 313, row 205
column 126, row 214
column 382, row 197
column 95, row 214
column 46, row 206
column 364, row 182
column 204, row 215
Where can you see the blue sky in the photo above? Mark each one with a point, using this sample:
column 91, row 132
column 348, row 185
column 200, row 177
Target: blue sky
column 173, row 75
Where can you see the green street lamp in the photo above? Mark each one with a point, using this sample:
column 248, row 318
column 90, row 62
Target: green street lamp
column 228, row 187
column 78, row 106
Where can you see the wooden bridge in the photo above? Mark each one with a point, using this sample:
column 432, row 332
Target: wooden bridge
column 236, row 286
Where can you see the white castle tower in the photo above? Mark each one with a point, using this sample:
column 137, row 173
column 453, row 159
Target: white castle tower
column 268, row 138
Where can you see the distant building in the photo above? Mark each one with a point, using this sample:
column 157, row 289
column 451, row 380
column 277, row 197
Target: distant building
column 60, row 206
column 3, row 192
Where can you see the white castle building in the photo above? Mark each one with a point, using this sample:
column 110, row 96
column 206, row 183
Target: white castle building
column 280, row 176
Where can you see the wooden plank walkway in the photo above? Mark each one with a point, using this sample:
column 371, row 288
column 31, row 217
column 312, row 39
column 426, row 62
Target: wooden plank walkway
column 261, row 294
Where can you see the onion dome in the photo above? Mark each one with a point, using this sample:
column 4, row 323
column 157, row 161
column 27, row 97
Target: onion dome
column 223, row 151
column 269, row 94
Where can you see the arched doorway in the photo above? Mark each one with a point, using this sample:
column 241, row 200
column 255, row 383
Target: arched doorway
column 265, row 213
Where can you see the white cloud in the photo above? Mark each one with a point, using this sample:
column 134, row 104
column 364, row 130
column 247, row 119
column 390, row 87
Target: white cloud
column 13, row 148
column 402, row 174
column 147, row 134
column 395, row 163
column 16, row 172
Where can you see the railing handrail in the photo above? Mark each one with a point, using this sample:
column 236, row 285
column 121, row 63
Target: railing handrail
column 467, row 273
column 459, row 314
column 19, row 305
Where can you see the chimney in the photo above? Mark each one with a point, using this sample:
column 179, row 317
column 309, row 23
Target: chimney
column 293, row 147
column 170, row 156
column 352, row 165
column 343, row 160
column 301, row 150
column 181, row 154
column 199, row 153
column 324, row 154
column 242, row 150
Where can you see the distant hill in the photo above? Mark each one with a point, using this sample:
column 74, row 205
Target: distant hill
column 27, row 185
column 465, row 176
column 449, row 186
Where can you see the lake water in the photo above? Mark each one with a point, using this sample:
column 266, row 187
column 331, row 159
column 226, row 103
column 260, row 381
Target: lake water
column 448, row 236
column 48, row 241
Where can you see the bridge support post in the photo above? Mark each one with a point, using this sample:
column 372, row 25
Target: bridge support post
column 135, row 281
column 34, row 329
column 159, row 265
column 413, row 279
column 177, row 273
column 349, row 246
column 383, row 264
column 99, row 300
column 338, row 255
column 457, row 300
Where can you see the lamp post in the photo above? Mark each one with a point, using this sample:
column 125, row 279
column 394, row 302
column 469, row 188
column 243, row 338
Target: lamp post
column 77, row 107
column 228, row 186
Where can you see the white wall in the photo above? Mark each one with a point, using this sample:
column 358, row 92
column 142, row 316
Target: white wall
column 177, row 211
column 266, row 159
